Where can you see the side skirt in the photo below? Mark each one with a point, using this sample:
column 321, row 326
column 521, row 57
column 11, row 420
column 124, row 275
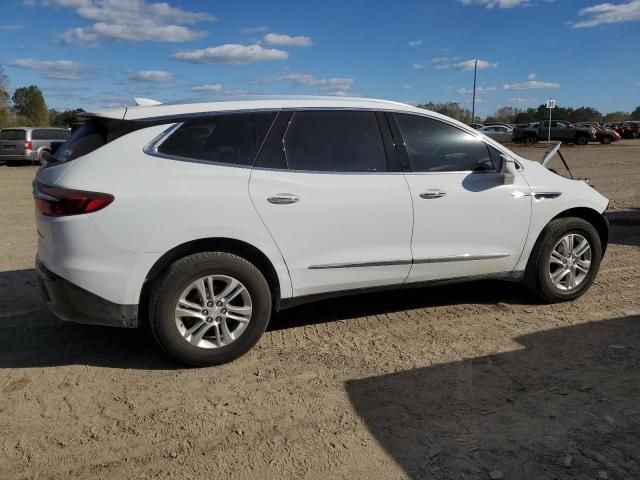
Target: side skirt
column 295, row 301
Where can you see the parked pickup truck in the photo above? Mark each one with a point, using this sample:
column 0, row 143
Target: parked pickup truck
column 560, row 131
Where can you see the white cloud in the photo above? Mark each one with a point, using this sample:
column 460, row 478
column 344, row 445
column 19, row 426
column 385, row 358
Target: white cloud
column 469, row 65
column 334, row 85
column 415, row 43
column 406, row 87
column 153, row 76
column 207, row 87
column 10, row 27
column 258, row 29
column 439, row 59
column 231, row 53
column 531, row 84
column 442, row 66
column 605, row 13
column 417, row 66
column 479, row 90
column 531, row 76
column 56, row 69
column 522, row 101
column 287, row 40
column 497, row 3
column 131, row 21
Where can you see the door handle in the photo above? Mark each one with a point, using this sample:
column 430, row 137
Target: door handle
column 429, row 194
column 283, row 199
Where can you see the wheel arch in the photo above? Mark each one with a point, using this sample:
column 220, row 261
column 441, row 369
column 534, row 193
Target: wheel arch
column 594, row 218
column 219, row 244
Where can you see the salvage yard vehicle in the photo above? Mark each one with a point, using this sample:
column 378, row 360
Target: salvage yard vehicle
column 500, row 133
column 603, row 135
column 27, row 144
column 204, row 219
column 560, row 130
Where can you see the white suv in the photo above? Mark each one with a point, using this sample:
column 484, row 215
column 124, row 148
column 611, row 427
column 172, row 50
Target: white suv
column 204, row 219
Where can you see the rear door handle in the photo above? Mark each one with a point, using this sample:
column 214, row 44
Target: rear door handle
column 283, row 199
column 429, row 194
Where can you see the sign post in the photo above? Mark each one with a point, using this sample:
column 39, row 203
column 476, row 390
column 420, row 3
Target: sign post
column 551, row 104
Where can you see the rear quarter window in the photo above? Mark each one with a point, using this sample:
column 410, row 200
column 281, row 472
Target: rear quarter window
column 233, row 139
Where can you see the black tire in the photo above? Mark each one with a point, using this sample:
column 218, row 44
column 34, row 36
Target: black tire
column 537, row 276
column 605, row 140
column 530, row 140
column 582, row 140
column 183, row 272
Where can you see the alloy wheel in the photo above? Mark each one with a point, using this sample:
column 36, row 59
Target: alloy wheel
column 213, row 311
column 570, row 262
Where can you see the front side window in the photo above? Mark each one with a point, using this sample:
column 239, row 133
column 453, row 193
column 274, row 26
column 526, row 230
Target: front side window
column 335, row 141
column 434, row 146
column 232, row 139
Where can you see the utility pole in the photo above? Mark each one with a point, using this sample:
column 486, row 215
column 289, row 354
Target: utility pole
column 473, row 103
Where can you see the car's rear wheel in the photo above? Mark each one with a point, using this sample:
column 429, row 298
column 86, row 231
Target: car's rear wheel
column 605, row 140
column 565, row 260
column 530, row 140
column 210, row 308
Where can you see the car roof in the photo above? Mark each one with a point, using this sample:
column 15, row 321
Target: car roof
column 237, row 104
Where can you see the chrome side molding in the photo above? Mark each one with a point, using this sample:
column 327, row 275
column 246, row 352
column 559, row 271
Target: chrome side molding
column 384, row 263
column 546, row 195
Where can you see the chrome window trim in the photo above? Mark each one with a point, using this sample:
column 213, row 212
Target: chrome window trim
column 152, row 147
column 415, row 261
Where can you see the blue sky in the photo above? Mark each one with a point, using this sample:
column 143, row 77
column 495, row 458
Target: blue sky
column 96, row 53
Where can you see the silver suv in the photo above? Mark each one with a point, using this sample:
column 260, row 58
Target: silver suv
column 26, row 144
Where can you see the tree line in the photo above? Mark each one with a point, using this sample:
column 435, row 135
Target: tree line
column 27, row 108
column 516, row 115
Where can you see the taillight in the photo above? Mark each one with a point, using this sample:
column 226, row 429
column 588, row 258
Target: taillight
column 60, row 202
column 28, row 145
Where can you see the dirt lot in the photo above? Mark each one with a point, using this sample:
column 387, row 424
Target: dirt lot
column 446, row 383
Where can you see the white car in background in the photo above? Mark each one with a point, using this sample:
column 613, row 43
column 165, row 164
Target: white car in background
column 500, row 133
column 204, row 219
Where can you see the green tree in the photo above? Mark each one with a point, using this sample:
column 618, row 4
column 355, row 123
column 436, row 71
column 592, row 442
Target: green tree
column 616, row 117
column 450, row 109
column 28, row 102
column 635, row 115
column 4, row 99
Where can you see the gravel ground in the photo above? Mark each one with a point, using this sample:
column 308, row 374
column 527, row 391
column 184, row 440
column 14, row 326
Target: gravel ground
column 467, row 381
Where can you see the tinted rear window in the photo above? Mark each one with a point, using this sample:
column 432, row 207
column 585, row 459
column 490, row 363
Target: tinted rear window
column 49, row 134
column 92, row 135
column 232, row 139
column 89, row 137
column 13, row 135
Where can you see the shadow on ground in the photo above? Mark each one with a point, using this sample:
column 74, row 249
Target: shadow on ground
column 30, row 336
column 624, row 227
column 565, row 406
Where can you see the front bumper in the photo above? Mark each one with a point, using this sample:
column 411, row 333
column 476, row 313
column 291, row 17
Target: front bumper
column 74, row 304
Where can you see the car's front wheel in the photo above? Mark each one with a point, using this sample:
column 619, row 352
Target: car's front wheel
column 210, row 308
column 605, row 140
column 565, row 260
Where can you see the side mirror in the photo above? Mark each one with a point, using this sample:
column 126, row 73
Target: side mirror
column 508, row 169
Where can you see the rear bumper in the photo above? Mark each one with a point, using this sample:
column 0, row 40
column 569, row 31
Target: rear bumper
column 74, row 304
column 32, row 157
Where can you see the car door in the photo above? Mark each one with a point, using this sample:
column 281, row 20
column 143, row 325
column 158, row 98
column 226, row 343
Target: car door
column 340, row 215
column 467, row 222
